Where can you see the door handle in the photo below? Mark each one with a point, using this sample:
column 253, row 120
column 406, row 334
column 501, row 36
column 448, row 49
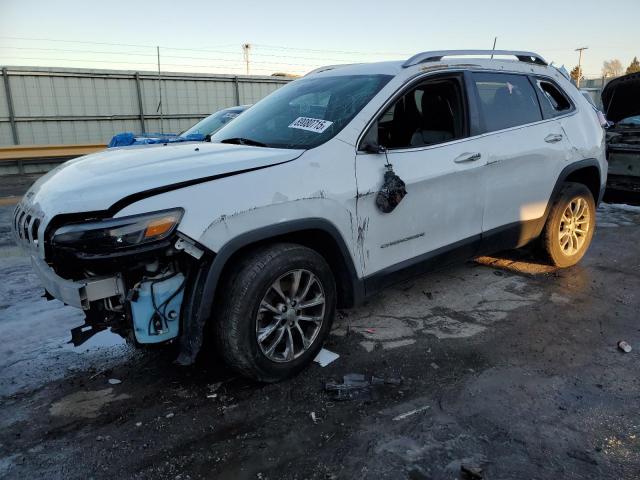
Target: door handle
column 468, row 157
column 553, row 138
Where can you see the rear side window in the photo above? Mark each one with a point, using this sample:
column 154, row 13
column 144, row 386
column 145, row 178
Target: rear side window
column 506, row 100
column 553, row 101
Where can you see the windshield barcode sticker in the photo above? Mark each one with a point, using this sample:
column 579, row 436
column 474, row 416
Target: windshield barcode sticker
column 311, row 124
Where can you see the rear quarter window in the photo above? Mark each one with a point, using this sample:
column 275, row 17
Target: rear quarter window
column 506, row 100
column 553, row 100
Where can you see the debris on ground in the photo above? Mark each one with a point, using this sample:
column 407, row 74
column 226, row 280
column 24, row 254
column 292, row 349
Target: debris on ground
column 411, row 412
column 314, row 418
column 114, row 381
column 325, row 357
column 214, row 387
column 98, row 373
column 435, row 366
column 169, row 415
column 624, row 346
column 355, row 386
column 471, row 472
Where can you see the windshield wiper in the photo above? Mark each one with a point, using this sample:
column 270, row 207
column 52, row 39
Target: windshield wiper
column 243, row 141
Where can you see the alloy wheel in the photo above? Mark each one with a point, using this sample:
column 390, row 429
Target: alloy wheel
column 574, row 226
column 290, row 315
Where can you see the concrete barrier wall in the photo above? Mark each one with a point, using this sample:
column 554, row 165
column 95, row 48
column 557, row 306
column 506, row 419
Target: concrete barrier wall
column 43, row 106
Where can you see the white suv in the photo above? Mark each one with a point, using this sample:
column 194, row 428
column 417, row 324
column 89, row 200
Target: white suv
column 326, row 191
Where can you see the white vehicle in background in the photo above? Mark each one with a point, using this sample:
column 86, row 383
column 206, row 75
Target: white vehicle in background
column 332, row 187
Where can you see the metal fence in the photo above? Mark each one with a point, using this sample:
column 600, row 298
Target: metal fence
column 594, row 87
column 57, row 106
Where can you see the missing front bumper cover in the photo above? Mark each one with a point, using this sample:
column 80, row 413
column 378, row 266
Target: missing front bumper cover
column 79, row 293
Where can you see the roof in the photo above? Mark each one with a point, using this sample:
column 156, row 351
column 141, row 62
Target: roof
column 443, row 59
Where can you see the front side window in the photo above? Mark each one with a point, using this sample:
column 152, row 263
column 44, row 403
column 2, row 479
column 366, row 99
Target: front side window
column 506, row 100
column 304, row 113
column 431, row 113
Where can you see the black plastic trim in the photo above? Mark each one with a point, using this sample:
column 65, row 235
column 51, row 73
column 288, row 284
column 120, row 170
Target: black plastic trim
column 438, row 258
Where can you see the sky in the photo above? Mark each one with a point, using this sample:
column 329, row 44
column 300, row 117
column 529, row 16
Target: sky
column 297, row 36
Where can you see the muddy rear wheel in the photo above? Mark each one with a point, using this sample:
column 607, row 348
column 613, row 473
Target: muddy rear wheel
column 276, row 310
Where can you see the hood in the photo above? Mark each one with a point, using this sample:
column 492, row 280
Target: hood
column 96, row 182
column 621, row 97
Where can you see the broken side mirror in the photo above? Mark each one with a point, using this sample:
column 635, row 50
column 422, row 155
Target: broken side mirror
column 391, row 193
column 373, row 147
column 370, row 143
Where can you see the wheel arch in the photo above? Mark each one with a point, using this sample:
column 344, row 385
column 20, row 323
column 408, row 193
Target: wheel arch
column 589, row 176
column 316, row 233
column 586, row 172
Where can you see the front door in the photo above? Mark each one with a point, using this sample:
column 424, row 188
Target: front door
column 425, row 134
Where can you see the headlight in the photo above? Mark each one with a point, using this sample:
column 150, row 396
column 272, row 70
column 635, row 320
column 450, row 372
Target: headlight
column 116, row 233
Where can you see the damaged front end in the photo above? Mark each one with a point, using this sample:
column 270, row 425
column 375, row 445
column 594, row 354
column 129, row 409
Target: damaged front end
column 128, row 274
column 623, row 153
column 621, row 101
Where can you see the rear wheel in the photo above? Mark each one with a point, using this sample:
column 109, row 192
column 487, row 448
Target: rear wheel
column 276, row 311
column 570, row 226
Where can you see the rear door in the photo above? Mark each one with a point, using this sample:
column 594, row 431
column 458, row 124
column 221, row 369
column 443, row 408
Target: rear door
column 526, row 151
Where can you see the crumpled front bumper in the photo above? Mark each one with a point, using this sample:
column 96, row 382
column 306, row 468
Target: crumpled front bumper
column 77, row 293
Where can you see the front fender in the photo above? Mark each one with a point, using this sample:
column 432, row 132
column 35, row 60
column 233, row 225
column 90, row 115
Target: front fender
column 201, row 297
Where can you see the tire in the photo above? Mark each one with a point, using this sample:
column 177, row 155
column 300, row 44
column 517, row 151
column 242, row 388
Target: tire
column 241, row 316
column 574, row 213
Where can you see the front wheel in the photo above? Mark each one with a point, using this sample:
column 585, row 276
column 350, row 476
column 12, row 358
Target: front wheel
column 275, row 312
column 570, row 225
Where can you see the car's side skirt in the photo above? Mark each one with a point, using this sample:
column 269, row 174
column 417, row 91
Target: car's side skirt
column 503, row 238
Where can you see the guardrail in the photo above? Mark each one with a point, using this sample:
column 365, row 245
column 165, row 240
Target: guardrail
column 21, row 159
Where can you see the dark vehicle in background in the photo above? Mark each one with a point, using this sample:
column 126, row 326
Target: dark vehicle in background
column 201, row 131
column 621, row 103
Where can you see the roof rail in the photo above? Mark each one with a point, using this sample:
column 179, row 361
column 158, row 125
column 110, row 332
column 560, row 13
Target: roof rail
column 329, row 67
column 436, row 56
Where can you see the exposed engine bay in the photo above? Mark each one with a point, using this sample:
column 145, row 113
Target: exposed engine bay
column 621, row 102
column 128, row 275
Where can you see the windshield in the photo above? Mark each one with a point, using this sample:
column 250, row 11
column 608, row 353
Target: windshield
column 305, row 113
column 629, row 122
column 212, row 123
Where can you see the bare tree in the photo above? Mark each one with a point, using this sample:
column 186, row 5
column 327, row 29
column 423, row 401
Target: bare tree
column 612, row 68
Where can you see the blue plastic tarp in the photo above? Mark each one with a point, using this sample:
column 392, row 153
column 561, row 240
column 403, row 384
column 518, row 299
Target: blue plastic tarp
column 128, row 138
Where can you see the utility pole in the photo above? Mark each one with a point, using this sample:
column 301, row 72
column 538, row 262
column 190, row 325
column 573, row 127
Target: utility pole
column 245, row 49
column 581, row 49
column 160, row 93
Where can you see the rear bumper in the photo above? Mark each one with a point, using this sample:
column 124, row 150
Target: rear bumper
column 78, row 294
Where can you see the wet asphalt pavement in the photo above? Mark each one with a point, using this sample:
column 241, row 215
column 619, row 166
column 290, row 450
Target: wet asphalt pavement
column 506, row 365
